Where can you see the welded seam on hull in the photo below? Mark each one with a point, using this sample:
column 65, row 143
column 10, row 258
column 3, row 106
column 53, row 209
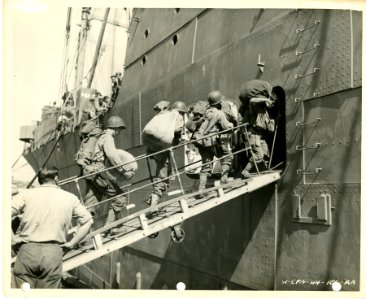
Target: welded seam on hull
column 214, row 54
column 303, row 142
column 256, row 31
column 140, row 121
column 351, row 46
column 187, row 267
column 275, row 239
column 157, row 45
column 194, row 40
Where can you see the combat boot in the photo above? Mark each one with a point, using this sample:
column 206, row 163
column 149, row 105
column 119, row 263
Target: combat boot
column 153, row 200
column 247, row 169
column 117, row 230
column 225, row 174
column 111, row 217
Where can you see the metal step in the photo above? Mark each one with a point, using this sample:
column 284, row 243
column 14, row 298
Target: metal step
column 173, row 212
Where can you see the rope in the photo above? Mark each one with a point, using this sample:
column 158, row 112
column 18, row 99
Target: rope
column 22, row 166
column 17, row 160
column 44, row 164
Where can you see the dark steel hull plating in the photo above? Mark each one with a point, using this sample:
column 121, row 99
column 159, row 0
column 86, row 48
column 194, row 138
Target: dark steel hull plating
column 259, row 241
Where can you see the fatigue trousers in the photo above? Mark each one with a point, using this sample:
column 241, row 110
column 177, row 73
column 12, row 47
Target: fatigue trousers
column 259, row 147
column 100, row 186
column 39, row 264
column 218, row 149
column 163, row 170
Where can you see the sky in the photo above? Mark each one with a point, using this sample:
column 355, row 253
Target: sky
column 33, row 40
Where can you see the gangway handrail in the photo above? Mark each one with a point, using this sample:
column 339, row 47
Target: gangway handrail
column 157, row 207
column 73, row 179
column 161, row 180
column 141, row 225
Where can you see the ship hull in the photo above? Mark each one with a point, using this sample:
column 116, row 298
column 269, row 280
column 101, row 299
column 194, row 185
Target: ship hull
column 292, row 235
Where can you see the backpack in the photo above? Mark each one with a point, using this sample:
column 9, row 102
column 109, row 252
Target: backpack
column 254, row 88
column 159, row 132
column 87, row 147
column 130, row 167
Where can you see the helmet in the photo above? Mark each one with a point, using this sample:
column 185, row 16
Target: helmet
column 115, row 122
column 180, row 106
column 214, row 97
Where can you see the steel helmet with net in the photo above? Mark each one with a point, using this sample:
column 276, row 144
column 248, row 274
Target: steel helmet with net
column 180, row 106
column 215, row 97
column 116, row 122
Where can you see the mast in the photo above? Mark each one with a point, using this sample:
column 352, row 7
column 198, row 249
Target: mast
column 81, row 51
column 97, row 50
column 65, row 54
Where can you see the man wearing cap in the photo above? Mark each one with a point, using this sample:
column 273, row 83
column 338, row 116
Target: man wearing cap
column 215, row 121
column 101, row 183
column 47, row 212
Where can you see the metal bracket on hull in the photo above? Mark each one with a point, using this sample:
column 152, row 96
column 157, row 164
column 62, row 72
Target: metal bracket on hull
column 260, row 63
column 316, row 23
column 309, row 123
column 308, row 50
column 315, row 70
column 303, row 172
column 315, row 146
column 323, row 211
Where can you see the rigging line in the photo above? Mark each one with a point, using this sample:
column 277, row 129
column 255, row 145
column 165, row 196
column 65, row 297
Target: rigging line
column 65, row 50
column 62, row 71
column 98, row 78
column 44, row 164
column 17, row 160
column 91, row 68
column 22, row 166
column 73, row 63
column 98, row 45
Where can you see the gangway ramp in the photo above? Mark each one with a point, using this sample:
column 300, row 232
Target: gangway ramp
column 138, row 225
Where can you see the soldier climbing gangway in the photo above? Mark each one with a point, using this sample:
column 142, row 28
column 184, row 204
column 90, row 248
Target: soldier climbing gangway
column 169, row 214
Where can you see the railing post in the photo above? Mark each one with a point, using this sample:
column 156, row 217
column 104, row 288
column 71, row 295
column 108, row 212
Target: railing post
column 171, row 154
